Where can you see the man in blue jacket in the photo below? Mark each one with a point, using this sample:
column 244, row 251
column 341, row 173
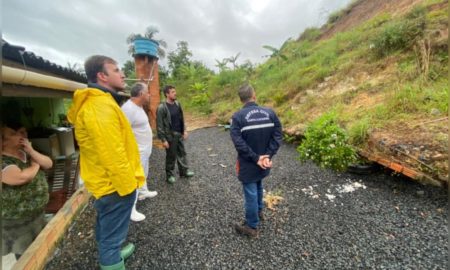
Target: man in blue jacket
column 257, row 135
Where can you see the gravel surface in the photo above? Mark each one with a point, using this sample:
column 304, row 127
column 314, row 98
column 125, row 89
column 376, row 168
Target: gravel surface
column 327, row 220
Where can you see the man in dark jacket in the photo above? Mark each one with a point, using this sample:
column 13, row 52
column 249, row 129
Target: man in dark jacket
column 172, row 133
column 257, row 135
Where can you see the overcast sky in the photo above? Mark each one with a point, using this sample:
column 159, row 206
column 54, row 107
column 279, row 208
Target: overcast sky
column 72, row 30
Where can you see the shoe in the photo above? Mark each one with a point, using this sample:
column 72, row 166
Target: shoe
column 136, row 216
column 126, row 251
column 146, row 194
column 246, row 230
column 171, row 179
column 118, row 266
column 188, row 173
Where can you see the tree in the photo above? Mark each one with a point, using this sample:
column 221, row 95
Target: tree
column 222, row 65
column 233, row 59
column 75, row 67
column 178, row 58
column 276, row 53
column 128, row 68
column 150, row 33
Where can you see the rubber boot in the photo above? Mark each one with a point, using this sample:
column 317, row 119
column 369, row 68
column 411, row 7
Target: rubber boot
column 117, row 266
column 127, row 251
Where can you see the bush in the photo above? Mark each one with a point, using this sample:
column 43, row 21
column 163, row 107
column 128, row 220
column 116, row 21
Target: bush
column 326, row 145
column 401, row 34
column 310, row 34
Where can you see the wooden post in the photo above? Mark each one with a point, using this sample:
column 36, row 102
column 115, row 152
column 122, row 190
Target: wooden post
column 147, row 70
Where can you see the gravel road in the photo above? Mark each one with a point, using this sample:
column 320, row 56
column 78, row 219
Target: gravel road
column 327, row 220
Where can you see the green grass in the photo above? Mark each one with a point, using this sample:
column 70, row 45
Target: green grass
column 383, row 41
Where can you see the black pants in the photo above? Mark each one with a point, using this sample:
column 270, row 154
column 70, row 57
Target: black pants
column 176, row 154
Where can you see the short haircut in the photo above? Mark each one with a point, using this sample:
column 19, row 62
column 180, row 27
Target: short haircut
column 96, row 64
column 246, row 92
column 167, row 88
column 137, row 88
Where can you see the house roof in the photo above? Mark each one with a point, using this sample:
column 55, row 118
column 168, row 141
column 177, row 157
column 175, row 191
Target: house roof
column 19, row 55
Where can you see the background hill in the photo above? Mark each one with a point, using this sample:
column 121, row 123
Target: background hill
column 378, row 68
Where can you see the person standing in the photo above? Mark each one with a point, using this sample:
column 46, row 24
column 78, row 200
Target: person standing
column 256, row 134
column 172, row 133
column 109, row 157
column 134, row 111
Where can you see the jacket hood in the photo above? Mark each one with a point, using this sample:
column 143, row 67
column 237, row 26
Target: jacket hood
column 79, row 98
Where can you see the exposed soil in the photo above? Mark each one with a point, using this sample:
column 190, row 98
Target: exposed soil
column 365, row 10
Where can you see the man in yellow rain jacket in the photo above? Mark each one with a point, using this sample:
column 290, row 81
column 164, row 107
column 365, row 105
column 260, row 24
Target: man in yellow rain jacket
column 109, row 157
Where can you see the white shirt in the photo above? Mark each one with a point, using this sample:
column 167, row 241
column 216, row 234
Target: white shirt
column 140, row 125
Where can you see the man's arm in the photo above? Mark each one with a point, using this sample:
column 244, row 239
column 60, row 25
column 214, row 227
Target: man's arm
column 276, row 138
column 160, row 128
column 241, row 146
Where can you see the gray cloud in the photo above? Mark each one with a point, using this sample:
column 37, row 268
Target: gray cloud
column 72, row 30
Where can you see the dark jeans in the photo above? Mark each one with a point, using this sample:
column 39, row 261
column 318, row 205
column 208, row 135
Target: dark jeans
column 253, row 195
column 176, row 154
column 113, row 218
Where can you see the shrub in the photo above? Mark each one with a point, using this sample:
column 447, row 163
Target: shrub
column 326, row 144
column 310, row 34
column 401, row 34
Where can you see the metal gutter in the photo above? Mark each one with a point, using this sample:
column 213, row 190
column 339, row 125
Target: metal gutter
column 29, row 78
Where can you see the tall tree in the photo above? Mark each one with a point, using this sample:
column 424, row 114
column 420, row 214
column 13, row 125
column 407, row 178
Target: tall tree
column 233, row 59
column 178, row 58
column 128, row 68
column 150, row 33
column 222, row 65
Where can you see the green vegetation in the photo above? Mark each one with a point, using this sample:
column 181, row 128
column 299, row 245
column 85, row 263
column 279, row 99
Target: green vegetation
column 389, row 68
column 326, row 144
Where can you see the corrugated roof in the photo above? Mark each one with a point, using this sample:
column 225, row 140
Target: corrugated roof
column 19, row 55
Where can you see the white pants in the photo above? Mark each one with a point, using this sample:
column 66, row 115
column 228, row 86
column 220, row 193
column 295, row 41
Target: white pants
column 145, row 157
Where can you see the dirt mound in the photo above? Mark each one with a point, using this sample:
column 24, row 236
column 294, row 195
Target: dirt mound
column 364, row 10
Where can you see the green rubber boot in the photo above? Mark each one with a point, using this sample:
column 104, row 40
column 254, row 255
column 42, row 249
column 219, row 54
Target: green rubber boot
column 117, row 266
column 127, row 251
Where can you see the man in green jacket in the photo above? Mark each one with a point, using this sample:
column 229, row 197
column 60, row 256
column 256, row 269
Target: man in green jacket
column 171, row 130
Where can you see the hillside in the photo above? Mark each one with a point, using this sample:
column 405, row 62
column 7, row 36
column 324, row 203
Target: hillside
column 379, row 66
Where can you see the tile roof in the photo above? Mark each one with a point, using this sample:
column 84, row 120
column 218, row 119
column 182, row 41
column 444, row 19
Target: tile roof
column 19, row 55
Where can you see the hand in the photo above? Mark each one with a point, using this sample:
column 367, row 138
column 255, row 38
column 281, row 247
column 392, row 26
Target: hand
column 26, row 144
column 185, row 135
column 267, row 162
column 264, row 162
column 166, row 144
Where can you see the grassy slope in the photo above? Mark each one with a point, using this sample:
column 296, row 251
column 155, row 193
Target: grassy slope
column 369, row 93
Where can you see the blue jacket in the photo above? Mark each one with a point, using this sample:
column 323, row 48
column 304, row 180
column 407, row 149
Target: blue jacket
column 255, row 131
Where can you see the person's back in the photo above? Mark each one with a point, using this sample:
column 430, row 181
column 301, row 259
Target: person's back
column 256, row 126
column 256, row 135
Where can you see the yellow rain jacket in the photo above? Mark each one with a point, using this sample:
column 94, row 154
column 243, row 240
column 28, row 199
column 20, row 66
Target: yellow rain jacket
column 109, row 155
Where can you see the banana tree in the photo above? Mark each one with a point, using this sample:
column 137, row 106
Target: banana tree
column 276, row 53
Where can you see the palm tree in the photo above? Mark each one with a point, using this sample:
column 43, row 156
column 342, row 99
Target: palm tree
column 233, row 59
column 150, row 33
column 222, row 65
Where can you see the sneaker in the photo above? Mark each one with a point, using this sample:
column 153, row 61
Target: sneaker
column 188, row 173
column 246, row 230
column 171, row 179
column 136, row 216
column 146, row 194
